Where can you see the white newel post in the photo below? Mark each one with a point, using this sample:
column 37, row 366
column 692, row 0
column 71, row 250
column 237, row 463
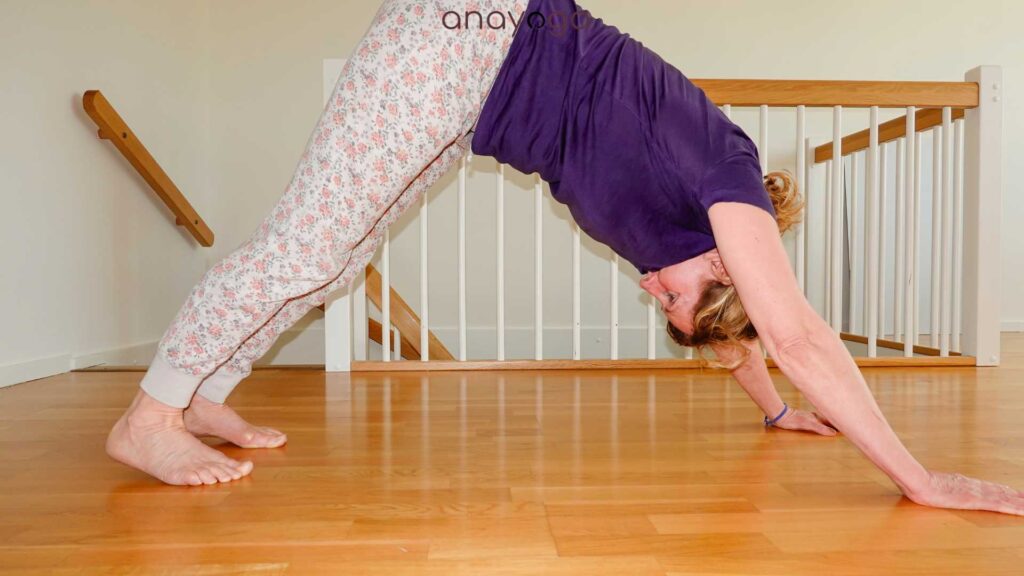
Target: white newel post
column 982, row 198
column 338, row 331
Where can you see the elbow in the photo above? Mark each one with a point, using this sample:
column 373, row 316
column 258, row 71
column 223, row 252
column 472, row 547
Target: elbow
column 800, row 343
column 793, row 350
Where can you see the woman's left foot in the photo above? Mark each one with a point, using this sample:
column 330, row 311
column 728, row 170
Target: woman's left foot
column 206, row 418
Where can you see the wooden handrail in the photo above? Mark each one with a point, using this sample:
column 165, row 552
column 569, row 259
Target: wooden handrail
column 887, row 132
column 112, row 127
column 403, row 317
column 893, row 345
column 826, row 93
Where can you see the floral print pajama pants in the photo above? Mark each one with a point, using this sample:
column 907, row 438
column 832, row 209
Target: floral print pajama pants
column 400, row 117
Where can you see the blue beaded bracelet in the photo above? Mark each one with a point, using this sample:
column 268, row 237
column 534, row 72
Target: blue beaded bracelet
column 767, row 422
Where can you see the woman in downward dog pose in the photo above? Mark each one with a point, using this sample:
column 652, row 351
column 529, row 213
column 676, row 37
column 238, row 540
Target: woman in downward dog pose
column 644, row 161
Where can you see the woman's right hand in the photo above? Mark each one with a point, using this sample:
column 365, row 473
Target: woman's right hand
column 953, row 490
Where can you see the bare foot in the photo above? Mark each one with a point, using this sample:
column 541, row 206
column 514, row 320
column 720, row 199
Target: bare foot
column 206, row 418
column 151, row 437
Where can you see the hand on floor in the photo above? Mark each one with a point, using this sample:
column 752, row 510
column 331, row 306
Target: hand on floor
column 806, row 421
column 952, row 490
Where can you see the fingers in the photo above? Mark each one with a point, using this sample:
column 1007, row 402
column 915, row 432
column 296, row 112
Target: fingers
column 824, row 430
column 823, row 420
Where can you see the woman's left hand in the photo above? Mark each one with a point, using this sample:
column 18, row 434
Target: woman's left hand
column 806, row 421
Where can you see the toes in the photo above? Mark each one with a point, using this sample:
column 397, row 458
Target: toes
column 272, row 438
column 224, row 473
column 244, row 468
column 206, row 475
column 233, row 472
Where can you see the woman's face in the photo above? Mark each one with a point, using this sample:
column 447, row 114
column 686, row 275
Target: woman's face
column 679, row 287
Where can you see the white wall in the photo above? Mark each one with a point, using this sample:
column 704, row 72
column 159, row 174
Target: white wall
column 246, row 75
column 91, row 269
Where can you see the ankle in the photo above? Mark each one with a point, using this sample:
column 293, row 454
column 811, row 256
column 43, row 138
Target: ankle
column 146, row 410
column 200, row 402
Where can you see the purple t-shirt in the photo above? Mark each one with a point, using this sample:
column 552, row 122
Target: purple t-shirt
column 635, row 150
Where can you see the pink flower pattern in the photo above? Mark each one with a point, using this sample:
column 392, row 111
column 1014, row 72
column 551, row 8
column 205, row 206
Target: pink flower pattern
column 399, row 118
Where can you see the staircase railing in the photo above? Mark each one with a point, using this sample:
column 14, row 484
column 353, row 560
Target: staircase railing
column 838, row 256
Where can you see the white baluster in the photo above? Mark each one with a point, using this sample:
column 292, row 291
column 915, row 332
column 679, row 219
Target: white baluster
column 827, row 257
column 613, row 324
column 873, row 211
column 360, row 320
column 762, row 142
column 936, row 247
column 883, row 194
column 838, row 203
column 947, row 230
column 424, row 281
column 538, row 270
column 385, row 296
column 803, row 185
column 809, row 179
column 500, row 260
column 916, row 219
column 958, row 248
column 856, row 289
column 900, row 238
column 576, row 292
column 462, row 254
column 650, row 328
column 911, row 171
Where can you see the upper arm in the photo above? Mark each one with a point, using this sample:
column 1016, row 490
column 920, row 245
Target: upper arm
column 752, row 251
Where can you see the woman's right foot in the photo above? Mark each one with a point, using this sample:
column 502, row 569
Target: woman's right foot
column 151, row 437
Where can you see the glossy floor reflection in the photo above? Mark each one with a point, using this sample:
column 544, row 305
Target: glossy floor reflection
column 631, row 472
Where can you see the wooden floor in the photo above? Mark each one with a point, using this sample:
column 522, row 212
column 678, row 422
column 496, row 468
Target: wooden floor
column 585, row 473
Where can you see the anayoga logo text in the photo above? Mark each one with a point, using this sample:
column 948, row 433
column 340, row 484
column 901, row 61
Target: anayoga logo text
column 557, row 22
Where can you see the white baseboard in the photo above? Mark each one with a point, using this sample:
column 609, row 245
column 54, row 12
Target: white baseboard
column 12, row 374
column 1012, row 326
column 132, row 355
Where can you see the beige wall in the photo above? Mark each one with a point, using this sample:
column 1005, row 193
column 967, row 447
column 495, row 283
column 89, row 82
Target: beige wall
column 89, row 263
column 226, row 92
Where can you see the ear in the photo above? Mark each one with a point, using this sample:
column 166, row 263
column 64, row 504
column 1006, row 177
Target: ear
column 718, row 270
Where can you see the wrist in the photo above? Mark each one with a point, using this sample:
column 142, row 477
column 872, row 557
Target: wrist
column 773, row 420
column 918, row 486
column 774, row 408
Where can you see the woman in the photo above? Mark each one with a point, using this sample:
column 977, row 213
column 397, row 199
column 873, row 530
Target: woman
column 644, row 161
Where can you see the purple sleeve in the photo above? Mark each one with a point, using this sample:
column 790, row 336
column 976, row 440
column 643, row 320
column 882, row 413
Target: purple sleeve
column 735, row 179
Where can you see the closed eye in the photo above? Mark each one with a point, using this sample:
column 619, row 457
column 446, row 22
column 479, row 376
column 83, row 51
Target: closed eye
column 671, row 297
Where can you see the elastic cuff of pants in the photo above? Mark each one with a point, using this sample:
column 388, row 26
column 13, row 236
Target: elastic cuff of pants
column 169, row 385
column 219, row 385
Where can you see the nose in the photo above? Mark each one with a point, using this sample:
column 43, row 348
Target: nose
column 648, row 280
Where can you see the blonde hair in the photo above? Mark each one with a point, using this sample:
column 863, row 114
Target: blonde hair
column 720, row 317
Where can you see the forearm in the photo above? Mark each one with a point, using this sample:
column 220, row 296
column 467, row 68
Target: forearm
column 752, row 376
column 821, row 368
